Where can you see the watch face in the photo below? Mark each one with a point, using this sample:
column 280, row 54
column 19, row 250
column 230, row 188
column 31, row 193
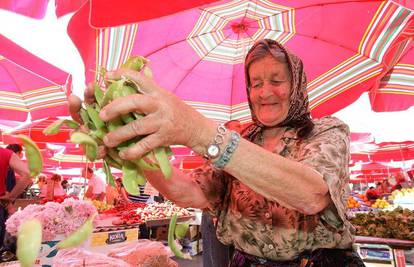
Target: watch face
column 213, row 150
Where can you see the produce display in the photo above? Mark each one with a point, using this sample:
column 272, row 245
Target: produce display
column 403, row 196
column 102, row 206
column 164, row 210
column 56, row 218
column 398, row 223
column 358, row 202
column 137, row 213
column 93, row 130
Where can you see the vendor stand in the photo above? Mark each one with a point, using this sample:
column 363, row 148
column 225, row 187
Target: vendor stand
column 377, row 249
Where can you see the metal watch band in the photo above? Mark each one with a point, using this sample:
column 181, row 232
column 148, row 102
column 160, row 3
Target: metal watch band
column 215, row 144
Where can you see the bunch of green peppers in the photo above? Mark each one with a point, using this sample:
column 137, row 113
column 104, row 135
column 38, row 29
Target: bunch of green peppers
column 133, row 171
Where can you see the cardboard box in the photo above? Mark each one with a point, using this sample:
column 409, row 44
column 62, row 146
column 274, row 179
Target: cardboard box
column 99, row 242
column 113, row 237
column 196, row 247
column 193, row 232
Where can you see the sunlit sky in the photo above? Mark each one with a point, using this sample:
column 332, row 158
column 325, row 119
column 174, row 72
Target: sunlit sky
column 47, row 38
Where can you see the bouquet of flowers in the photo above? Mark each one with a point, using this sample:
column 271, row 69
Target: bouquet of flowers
column 56, row 218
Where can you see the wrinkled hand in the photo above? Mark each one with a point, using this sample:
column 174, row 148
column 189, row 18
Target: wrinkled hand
column 168, row 120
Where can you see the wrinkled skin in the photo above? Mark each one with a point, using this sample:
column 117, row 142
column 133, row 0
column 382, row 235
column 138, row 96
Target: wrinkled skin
column 168, row 119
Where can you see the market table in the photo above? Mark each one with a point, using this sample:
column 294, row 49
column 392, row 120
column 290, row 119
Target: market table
column 396, row 246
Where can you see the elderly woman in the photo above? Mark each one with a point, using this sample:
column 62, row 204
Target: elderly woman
column 278, row 192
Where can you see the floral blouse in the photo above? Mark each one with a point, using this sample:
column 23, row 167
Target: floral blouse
column 264, row 228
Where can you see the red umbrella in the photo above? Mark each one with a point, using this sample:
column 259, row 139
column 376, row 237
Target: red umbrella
column 30, row 85
column 198, row 53
column 377, row 168
column 35, row 131
column 396, row 88
column 368, row 178
column 385, row 152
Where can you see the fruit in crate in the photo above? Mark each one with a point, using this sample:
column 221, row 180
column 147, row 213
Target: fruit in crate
column 353, row 203
column 380, row 204
column 101, row 206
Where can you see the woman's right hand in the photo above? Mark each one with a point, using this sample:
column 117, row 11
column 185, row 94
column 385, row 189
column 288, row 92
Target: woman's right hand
column 168, row 120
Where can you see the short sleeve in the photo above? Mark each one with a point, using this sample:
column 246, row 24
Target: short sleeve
column 327, row 151
column 214, row 186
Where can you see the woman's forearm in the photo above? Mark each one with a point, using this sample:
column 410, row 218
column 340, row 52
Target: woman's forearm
column 288, row 182
column 180, row 188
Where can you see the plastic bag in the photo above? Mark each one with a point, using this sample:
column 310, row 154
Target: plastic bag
column 144, row 253
column 80, row 257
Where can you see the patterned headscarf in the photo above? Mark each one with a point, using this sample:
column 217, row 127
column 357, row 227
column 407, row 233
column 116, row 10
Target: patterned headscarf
column 298, row 115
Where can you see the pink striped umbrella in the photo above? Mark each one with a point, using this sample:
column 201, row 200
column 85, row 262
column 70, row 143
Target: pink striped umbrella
column 198, row 53
column 396, row 88
column 30, row 85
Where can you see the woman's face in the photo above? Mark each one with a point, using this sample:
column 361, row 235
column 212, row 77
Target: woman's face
column 270, row 90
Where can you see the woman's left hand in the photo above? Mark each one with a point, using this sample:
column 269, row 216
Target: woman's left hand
column 168, row 120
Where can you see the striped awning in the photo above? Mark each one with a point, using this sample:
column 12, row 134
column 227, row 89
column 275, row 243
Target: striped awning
column 396, row 88
column 198, row 53
column 30, row 85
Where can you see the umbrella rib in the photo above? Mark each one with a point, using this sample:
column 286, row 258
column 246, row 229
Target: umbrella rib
column 196, row 64
column 31, row 72
column 186, row 39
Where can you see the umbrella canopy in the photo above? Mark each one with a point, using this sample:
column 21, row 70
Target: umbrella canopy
column 375, row 168
column 35, row 131
column 30, row 85
column 198, row 53
column 384, row 152
column 396, row 88
column 31, row 8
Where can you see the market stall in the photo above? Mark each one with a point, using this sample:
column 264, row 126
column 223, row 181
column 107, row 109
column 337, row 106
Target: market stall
column 113, row 227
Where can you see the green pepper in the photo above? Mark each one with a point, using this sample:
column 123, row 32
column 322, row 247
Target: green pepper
column 115, row 86
column 79, row 236
column 33, row 155
column 85, row 118
column 171, row 240
column 29, row 241
column 99, row 94
column 134, row 63
column 129, row 178
column 112, row 162
column 91, row 146
column 115, row 123
column 94, row 116
column 181, row 230
column 55, row 126
column 109, row 177
column 163, row 161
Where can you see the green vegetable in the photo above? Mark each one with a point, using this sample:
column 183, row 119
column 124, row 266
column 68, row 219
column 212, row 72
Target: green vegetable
column 33, row 155
column 55, row 126
column 29, row 241
column 163, row 161
column 109, row 177
column 130, row 178
column 79, row 236
column 181, row 230
column 94, row 116
column 171, row 240
column 99, row 94
column 135, row 63
column 91, row 146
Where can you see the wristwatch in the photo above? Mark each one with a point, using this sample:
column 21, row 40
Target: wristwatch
column 213, row 149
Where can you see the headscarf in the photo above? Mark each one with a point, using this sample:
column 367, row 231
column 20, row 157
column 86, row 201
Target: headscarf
column 298, row 115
